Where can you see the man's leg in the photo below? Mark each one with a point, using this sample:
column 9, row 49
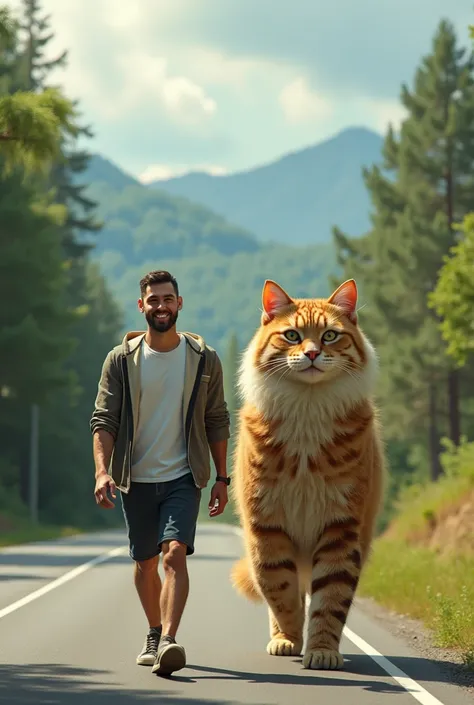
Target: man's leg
column 140, row 509
column 148, row 586
column 175, row 586
column 179, row 512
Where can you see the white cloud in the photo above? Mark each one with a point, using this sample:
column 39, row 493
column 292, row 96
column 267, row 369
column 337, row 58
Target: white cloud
column 301, row 104
column 186, row 99
column 378, row 114
column 113, row 70
column 162, row 172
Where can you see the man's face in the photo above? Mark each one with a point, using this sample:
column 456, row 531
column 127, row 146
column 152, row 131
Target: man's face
column 160, row 306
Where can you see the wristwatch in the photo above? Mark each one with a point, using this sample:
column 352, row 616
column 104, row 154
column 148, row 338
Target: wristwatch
column 221, row 478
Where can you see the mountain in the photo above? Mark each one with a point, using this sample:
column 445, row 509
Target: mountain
column 220, row 267
column 102, row 170
column 297, row 198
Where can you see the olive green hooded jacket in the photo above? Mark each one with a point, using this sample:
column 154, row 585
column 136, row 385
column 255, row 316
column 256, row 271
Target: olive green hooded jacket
column 205, row 413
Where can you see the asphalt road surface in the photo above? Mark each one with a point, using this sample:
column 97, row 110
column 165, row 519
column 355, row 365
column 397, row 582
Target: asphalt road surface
column 71, row 626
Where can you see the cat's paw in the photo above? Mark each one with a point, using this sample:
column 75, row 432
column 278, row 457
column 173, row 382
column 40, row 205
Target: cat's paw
column 324, row 659
column 282, row 646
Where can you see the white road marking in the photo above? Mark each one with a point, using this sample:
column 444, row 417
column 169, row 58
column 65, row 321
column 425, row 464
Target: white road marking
column 70, row 575
column 414, row 688
column 411, row 686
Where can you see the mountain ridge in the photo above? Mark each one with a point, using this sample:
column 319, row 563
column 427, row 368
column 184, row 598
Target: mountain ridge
column 299, row 196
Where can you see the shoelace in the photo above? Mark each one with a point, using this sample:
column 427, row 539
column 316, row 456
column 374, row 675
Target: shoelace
column 152, row 641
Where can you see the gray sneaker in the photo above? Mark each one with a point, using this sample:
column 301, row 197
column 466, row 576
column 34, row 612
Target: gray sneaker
column 169, row 658
column 147, row 655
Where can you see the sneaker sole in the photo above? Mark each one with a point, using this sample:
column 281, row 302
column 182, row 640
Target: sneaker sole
column 172, row 658
column 146, row 660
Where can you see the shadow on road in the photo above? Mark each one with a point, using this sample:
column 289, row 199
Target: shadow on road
column 417, row 668
column 4, row 577
column 31, row 560
column 50, row 684
column 307, row 678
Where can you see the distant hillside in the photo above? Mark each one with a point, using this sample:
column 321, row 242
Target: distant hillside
column 220, row 267
column 102, row 170
column 296, row 199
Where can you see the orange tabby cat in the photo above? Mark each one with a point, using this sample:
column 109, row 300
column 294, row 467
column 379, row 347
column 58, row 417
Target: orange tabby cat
column 309, row 467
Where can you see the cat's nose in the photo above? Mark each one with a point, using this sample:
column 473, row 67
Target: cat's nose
column 312, row 354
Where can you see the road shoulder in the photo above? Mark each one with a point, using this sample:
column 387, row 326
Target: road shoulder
column 419, row 638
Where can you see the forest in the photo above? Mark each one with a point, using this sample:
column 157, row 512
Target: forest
column 62, row 318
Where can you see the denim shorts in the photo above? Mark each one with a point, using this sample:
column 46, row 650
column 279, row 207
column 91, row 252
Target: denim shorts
column 155, row 512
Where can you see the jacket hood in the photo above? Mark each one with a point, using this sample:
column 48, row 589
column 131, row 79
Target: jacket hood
column 132, row 340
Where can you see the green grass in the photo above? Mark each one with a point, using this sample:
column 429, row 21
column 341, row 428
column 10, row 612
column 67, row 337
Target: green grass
column 439, row 590
column 26, row 532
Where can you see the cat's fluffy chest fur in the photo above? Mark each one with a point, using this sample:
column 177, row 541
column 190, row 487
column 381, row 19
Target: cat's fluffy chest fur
column 306, row 416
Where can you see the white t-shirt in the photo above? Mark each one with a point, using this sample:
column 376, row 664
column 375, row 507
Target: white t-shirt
column 160, row 450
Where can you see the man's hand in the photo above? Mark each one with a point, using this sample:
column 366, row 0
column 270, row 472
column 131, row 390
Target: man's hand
column 219, row 495
column 103, row 484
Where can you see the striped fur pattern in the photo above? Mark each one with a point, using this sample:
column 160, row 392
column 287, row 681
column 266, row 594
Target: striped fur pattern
column 308, row 468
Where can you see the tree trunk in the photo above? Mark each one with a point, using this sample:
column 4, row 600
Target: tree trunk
column 453, row 407
column 453, row 376
column 433, row 436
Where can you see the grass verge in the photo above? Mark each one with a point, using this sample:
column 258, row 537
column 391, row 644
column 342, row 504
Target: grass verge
column 438, row 590
column 19, row 531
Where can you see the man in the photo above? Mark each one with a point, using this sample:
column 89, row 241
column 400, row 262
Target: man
column 160, row 407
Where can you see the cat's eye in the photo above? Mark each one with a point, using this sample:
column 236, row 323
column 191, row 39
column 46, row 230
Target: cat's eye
column 292, row 336
column 329, row 336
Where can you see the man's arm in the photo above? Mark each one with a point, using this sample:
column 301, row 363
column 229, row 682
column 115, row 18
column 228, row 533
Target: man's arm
column 219, row 456
column 218, row 432
column 108, row 402
column 104, row 425
column 217, row 415
column 103, row 446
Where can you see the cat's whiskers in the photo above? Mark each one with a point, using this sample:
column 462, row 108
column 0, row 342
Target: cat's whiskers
column 284, row 366
column 346, row 367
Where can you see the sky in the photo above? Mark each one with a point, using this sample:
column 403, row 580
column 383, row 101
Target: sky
column 171, row 86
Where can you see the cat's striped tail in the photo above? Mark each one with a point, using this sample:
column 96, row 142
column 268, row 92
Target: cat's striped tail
column 242, row 580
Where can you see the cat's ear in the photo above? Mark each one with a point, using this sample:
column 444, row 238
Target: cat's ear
column 345, row 297
column 274, row 298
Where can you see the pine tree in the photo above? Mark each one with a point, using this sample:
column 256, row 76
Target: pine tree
column 31, row 125
column 427, row 185
column 33, row 72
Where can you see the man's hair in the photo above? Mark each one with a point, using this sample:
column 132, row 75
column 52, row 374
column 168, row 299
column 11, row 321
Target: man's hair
column 158, row 277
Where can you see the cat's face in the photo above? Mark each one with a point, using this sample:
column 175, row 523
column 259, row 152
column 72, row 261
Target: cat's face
column 309, row 340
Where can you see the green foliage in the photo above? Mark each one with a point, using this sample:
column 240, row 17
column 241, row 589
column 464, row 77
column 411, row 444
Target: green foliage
column 453, row 297
column 458, row 461
column 453, row 621
column 34, row 333
column 8, row 28
column 31, row 126
column 143, row 224
column 63, row 319
column 425, row 178
column 419, row 583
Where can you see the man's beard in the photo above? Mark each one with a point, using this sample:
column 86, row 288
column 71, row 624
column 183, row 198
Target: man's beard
column 161, row 326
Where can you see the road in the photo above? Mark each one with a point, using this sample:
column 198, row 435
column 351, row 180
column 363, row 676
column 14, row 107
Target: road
column 79, row 638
